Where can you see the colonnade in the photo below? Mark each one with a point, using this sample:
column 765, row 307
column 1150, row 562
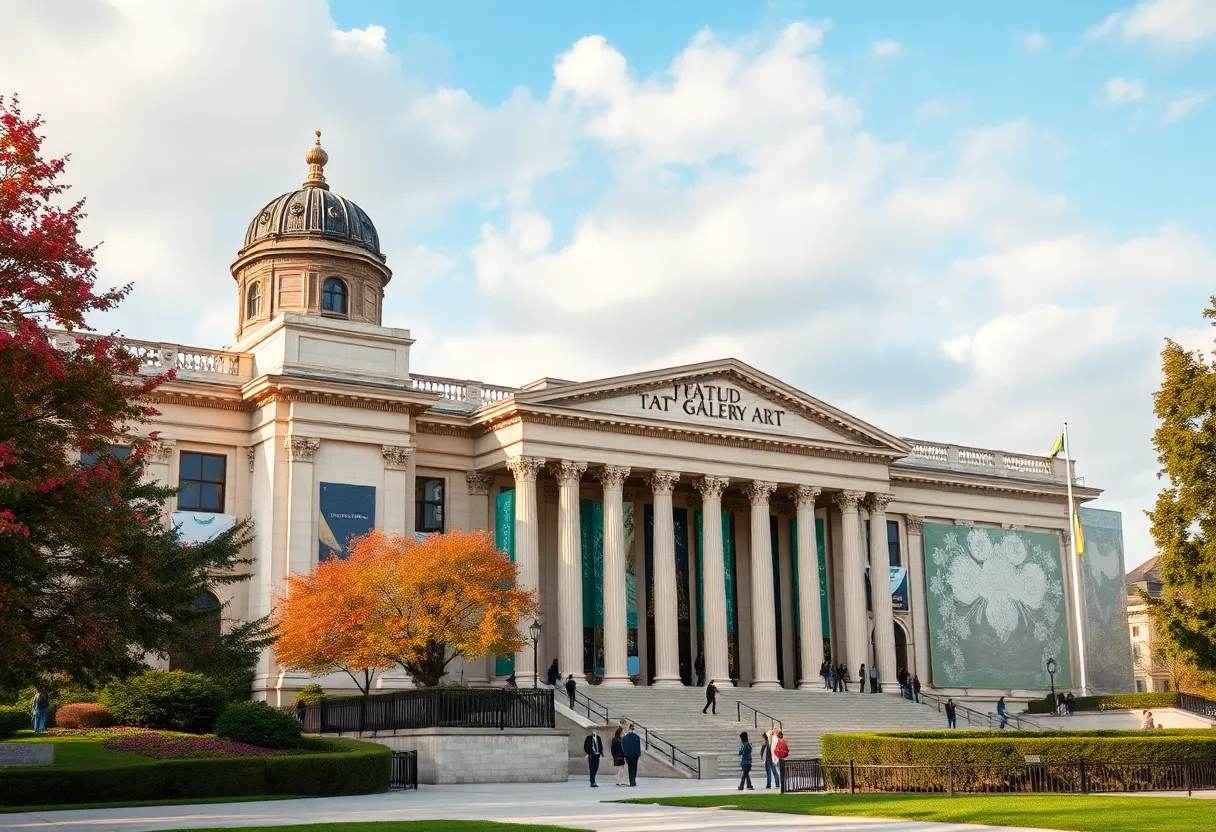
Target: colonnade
column 569, row 474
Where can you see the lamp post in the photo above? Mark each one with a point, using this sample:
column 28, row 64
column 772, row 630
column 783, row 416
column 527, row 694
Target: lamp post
column 1051, row 672
column 535, row 631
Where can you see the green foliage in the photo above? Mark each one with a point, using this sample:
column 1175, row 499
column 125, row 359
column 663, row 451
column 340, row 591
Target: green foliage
column 993, row 748
column 258, row 724
column 1184, row 518
column 83, row 715
column 228, row 658
column 311, row 694
column 1110, row 702
column 171, row 700
column 14, row 718
column 336, row 767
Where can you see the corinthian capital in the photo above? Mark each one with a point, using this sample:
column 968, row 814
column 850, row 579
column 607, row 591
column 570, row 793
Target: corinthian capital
column 568, row 472
column 806, row 495
column 916, row 524
column 711, row 487
column 879, row 502
column 848, row 501
column 612, row 476
column 396, row 457
column 662, row 482
column 479, row 484
column 525, row 468
column 160, row 451
column 301, row 448
column 758, row 492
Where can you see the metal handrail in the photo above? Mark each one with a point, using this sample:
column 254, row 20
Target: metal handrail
column 593, row 708
column 756, row 714
column 973, row 716
column 678, row 756
column 1197, row 704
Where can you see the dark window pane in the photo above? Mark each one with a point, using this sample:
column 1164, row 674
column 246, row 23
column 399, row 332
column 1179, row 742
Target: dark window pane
column 213, row 468
column 120, row 451
column 212, row 497
column 433, row 491
column 90, row 459
column 432, row 518
column 187, row 500
column 191, row 466
column 893, row 542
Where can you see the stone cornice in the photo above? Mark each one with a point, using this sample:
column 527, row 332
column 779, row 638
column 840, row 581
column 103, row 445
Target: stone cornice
column 1005, row 485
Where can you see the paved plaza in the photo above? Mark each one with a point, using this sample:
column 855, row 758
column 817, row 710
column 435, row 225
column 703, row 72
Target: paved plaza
column 562, row 804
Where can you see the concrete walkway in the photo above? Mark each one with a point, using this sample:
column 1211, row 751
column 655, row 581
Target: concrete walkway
column 571, row 804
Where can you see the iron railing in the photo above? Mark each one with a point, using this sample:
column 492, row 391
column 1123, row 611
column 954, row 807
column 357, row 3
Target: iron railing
column 1077, row 777
column 1197, row 704
column 594, row 710
column 756, row 714
column 432, row 708
column 405, row 770
column 678, row 757
column 978, row 719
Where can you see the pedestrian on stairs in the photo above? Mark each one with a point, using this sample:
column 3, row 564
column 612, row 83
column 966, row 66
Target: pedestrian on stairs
column 873, row 678
column 1003, row 712
column 745, row 762
column 618, row 755
column 861, row 679
column 951, row 714
column 711, row 697
column 915, row 688
column 825, row 670
column 571, row 687
column 699, row 667
column 553, row 674
column 631, row 746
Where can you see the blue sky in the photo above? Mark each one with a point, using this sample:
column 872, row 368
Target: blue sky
column 960, row 221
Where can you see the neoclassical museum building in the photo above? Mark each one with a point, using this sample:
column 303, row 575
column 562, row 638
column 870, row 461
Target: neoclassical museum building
column 707, row 510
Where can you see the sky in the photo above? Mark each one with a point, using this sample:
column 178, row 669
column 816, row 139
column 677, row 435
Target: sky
column 962, row 222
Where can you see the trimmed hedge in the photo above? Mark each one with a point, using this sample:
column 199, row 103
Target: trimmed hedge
column 14, row 718
column 340, row 767
column 83, row 715
column 1110, row 702
column 258, row 724
column 311, row 694
column 169, row 700
column 998, row 748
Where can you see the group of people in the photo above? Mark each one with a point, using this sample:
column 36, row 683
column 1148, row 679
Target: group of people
column 836, row 676
column 625, row 750
column 773, row 750
column 909, row 685
column 553, row 676
column 1064, row 704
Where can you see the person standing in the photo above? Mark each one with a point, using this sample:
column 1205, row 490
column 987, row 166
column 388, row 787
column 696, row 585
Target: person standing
column 711, row 697
column 873, row 678
column 768, row 755
column 951, row 714
column 1002, row 712
column 593, row 750
column 842, row 672
column 42, row 705
column 618, row 755
column 553, row 674
column 571, row 688
column 861, row 679
column 915, row 688
column 780, row 751
column 745, row 762
column 699, row 667
column 825, row 670
column 631, row 747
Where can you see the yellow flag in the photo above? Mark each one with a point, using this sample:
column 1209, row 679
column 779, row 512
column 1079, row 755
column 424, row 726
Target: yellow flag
column 1057, row 448
column 1080, row 536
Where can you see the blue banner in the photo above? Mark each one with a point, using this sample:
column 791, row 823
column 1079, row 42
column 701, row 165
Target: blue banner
column 347, row 511
column 504, row 539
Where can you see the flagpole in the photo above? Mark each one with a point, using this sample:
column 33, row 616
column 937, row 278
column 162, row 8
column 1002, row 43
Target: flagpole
column 1073, row 560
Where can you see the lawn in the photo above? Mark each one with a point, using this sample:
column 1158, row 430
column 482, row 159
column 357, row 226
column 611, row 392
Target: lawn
column 412, row 826
column 74, row 752
column 1085, row 813
column 127, row 804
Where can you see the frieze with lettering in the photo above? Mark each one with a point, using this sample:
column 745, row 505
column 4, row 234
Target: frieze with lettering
column 716, row 401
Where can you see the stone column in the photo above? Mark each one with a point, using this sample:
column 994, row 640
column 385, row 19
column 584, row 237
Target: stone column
column 569, row 567
column 477, row 668
column 527, row 552
column 157, row 467
column 713, row 571
column 810, row 621
column 616, row 613
column 301, row 542
column 918, row 599
column 666, row 600
column 396, row 492
column 880, row 593
column 856, row 622
column 764, row 612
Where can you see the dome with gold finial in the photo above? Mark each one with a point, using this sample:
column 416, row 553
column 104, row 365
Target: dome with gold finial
column 314, row 211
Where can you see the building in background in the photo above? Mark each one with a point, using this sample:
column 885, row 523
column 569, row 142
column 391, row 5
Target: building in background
column 1152, row 667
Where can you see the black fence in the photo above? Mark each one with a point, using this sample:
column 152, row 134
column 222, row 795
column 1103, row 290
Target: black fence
column 432, row 708
column 1080, row 777
column 405, row 770
column 1197, row 704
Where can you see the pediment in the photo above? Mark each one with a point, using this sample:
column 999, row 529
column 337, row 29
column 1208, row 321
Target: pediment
column 726, row 395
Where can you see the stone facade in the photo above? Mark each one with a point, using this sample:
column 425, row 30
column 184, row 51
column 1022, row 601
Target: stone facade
column 477, row 755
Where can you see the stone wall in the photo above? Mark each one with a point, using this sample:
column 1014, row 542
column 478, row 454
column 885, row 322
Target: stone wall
column 27, row 754
column 482, row 755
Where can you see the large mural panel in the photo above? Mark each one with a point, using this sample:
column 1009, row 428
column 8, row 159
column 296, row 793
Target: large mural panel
column 996, row 607
column 1108, row 652
column 504, row 539
column 346, row 512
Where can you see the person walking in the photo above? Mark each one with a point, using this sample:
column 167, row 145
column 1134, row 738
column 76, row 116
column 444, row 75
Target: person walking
column 951, row 714
column 745, row 762
column 873, row 678
column 711, row 697
column 699, row 667
column 618, row 755
column 593, row 750
column 41, row 707
column 842, row 671
column 1002, row 712
column 511, row 683
column 631, row 747
column 570, row 688
column 553, row 674
column 915, row 688
column 861, row 679
column 301, row 711
column 833, row 679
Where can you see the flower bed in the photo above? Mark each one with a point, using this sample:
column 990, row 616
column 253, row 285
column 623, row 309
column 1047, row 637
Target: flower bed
column 162, row 745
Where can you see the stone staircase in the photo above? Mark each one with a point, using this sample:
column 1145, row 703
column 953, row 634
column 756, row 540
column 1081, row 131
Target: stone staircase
column 674, row 714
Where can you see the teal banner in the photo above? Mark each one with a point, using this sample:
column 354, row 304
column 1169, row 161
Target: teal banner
column 346, row 512
column 631, row 589
column 996, row 607
column 821, row 551
column 504, row 539
column 1108, row 652
column 591, row 520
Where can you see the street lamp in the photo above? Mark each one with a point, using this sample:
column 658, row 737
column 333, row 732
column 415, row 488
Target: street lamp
column 1051, row 671
column 535, row 631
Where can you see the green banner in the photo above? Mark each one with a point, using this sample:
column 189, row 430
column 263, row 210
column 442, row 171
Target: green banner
column 996, row 607
column 728, row 557
column 591, row 521
column 1108, row 650
column 504, row 539
column 824, row 615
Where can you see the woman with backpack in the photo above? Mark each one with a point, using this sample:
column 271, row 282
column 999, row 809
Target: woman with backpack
column 780, row 752
column 745, row 762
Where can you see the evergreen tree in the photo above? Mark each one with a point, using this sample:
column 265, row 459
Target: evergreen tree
column 1184, row 519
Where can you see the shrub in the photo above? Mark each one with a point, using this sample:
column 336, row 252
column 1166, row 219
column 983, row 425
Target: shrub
column 1109, row 702
column 83, row 715
column 311, row 694
column 171, row 700
column 256, row 723
column 340, row 767
column 14, row 718
column 164, row 745
column 997, row 748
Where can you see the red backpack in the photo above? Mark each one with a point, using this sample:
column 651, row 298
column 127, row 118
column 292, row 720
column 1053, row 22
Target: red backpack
column 781, row 750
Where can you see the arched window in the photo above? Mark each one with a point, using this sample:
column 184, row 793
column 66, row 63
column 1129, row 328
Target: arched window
column 333, row 296
column 253, row 301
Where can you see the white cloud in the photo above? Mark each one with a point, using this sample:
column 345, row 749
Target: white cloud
column 1181, row 107
column 887, row 49
column 1162, row 23
column 1123, row 91
column 371, row 40
column 1034, row 42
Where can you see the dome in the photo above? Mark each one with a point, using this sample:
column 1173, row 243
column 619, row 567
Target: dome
column 315, row 211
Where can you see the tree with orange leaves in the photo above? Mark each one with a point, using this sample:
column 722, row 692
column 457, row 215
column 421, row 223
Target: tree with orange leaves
column 397, row 601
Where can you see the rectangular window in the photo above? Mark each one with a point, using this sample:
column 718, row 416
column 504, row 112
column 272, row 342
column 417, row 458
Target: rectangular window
column 893, row 541
column 117, row 451
column 201, row 480
column 1139, row 686
column 1135, row 632
column 1165, row 684
column 428, row 499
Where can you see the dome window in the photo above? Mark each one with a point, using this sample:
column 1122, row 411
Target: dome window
column 333, row 296
column 253, row 301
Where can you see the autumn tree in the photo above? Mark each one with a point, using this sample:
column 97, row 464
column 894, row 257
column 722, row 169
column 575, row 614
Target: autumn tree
column 90, row 580
column 399, row 601
column 1184, row 517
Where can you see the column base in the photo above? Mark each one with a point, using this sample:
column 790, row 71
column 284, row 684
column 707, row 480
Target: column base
column 616, row 681
column 667, row 683
column 766, row 685
column 810, row 684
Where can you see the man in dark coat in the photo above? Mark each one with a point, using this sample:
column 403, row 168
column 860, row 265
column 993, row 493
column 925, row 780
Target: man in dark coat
column 593, row 750
column 699, row 667
column 631, row 744
column 711, row 697
column 553, row 675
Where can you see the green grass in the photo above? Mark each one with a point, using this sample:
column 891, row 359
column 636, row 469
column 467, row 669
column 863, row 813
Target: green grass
column 73, row 752
column 127, row 804
column 412, row 826
column 1085, row 813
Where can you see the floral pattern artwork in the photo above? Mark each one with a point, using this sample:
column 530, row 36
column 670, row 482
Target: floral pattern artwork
column 996, row 607
column 1108, row 652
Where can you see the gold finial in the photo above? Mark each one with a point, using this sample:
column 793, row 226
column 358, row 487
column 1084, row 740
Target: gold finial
column 316, row 159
